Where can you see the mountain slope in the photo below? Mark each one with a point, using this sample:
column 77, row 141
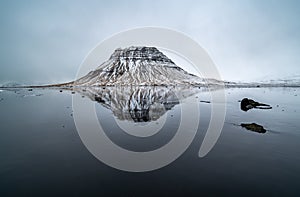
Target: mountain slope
column 138, row 66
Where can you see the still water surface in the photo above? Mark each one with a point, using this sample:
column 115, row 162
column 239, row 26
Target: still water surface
column 42, row 153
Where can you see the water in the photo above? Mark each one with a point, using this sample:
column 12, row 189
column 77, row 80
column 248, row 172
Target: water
column 42, row 152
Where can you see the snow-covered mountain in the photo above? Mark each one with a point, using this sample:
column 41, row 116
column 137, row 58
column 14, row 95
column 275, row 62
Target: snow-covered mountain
column 138, row 66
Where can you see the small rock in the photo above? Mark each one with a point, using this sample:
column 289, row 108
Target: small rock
column 254, row 127
column 247, row 104
column 205, row 101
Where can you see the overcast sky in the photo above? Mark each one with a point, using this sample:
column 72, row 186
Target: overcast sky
column 46, row 41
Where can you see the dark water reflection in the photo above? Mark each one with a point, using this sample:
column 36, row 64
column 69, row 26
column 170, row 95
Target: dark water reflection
column 42, row 154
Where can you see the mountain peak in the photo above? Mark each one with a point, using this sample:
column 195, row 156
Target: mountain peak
column 140, row 53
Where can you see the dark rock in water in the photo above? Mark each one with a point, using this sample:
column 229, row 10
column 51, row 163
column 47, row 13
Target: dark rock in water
column 205, row 101
column 73, row 92
column 29, row 89
column 254, row 127
column 60, row 91
column 247, row 104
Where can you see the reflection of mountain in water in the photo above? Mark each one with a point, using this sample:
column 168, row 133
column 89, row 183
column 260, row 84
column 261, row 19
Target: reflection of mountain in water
column 138, row 103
